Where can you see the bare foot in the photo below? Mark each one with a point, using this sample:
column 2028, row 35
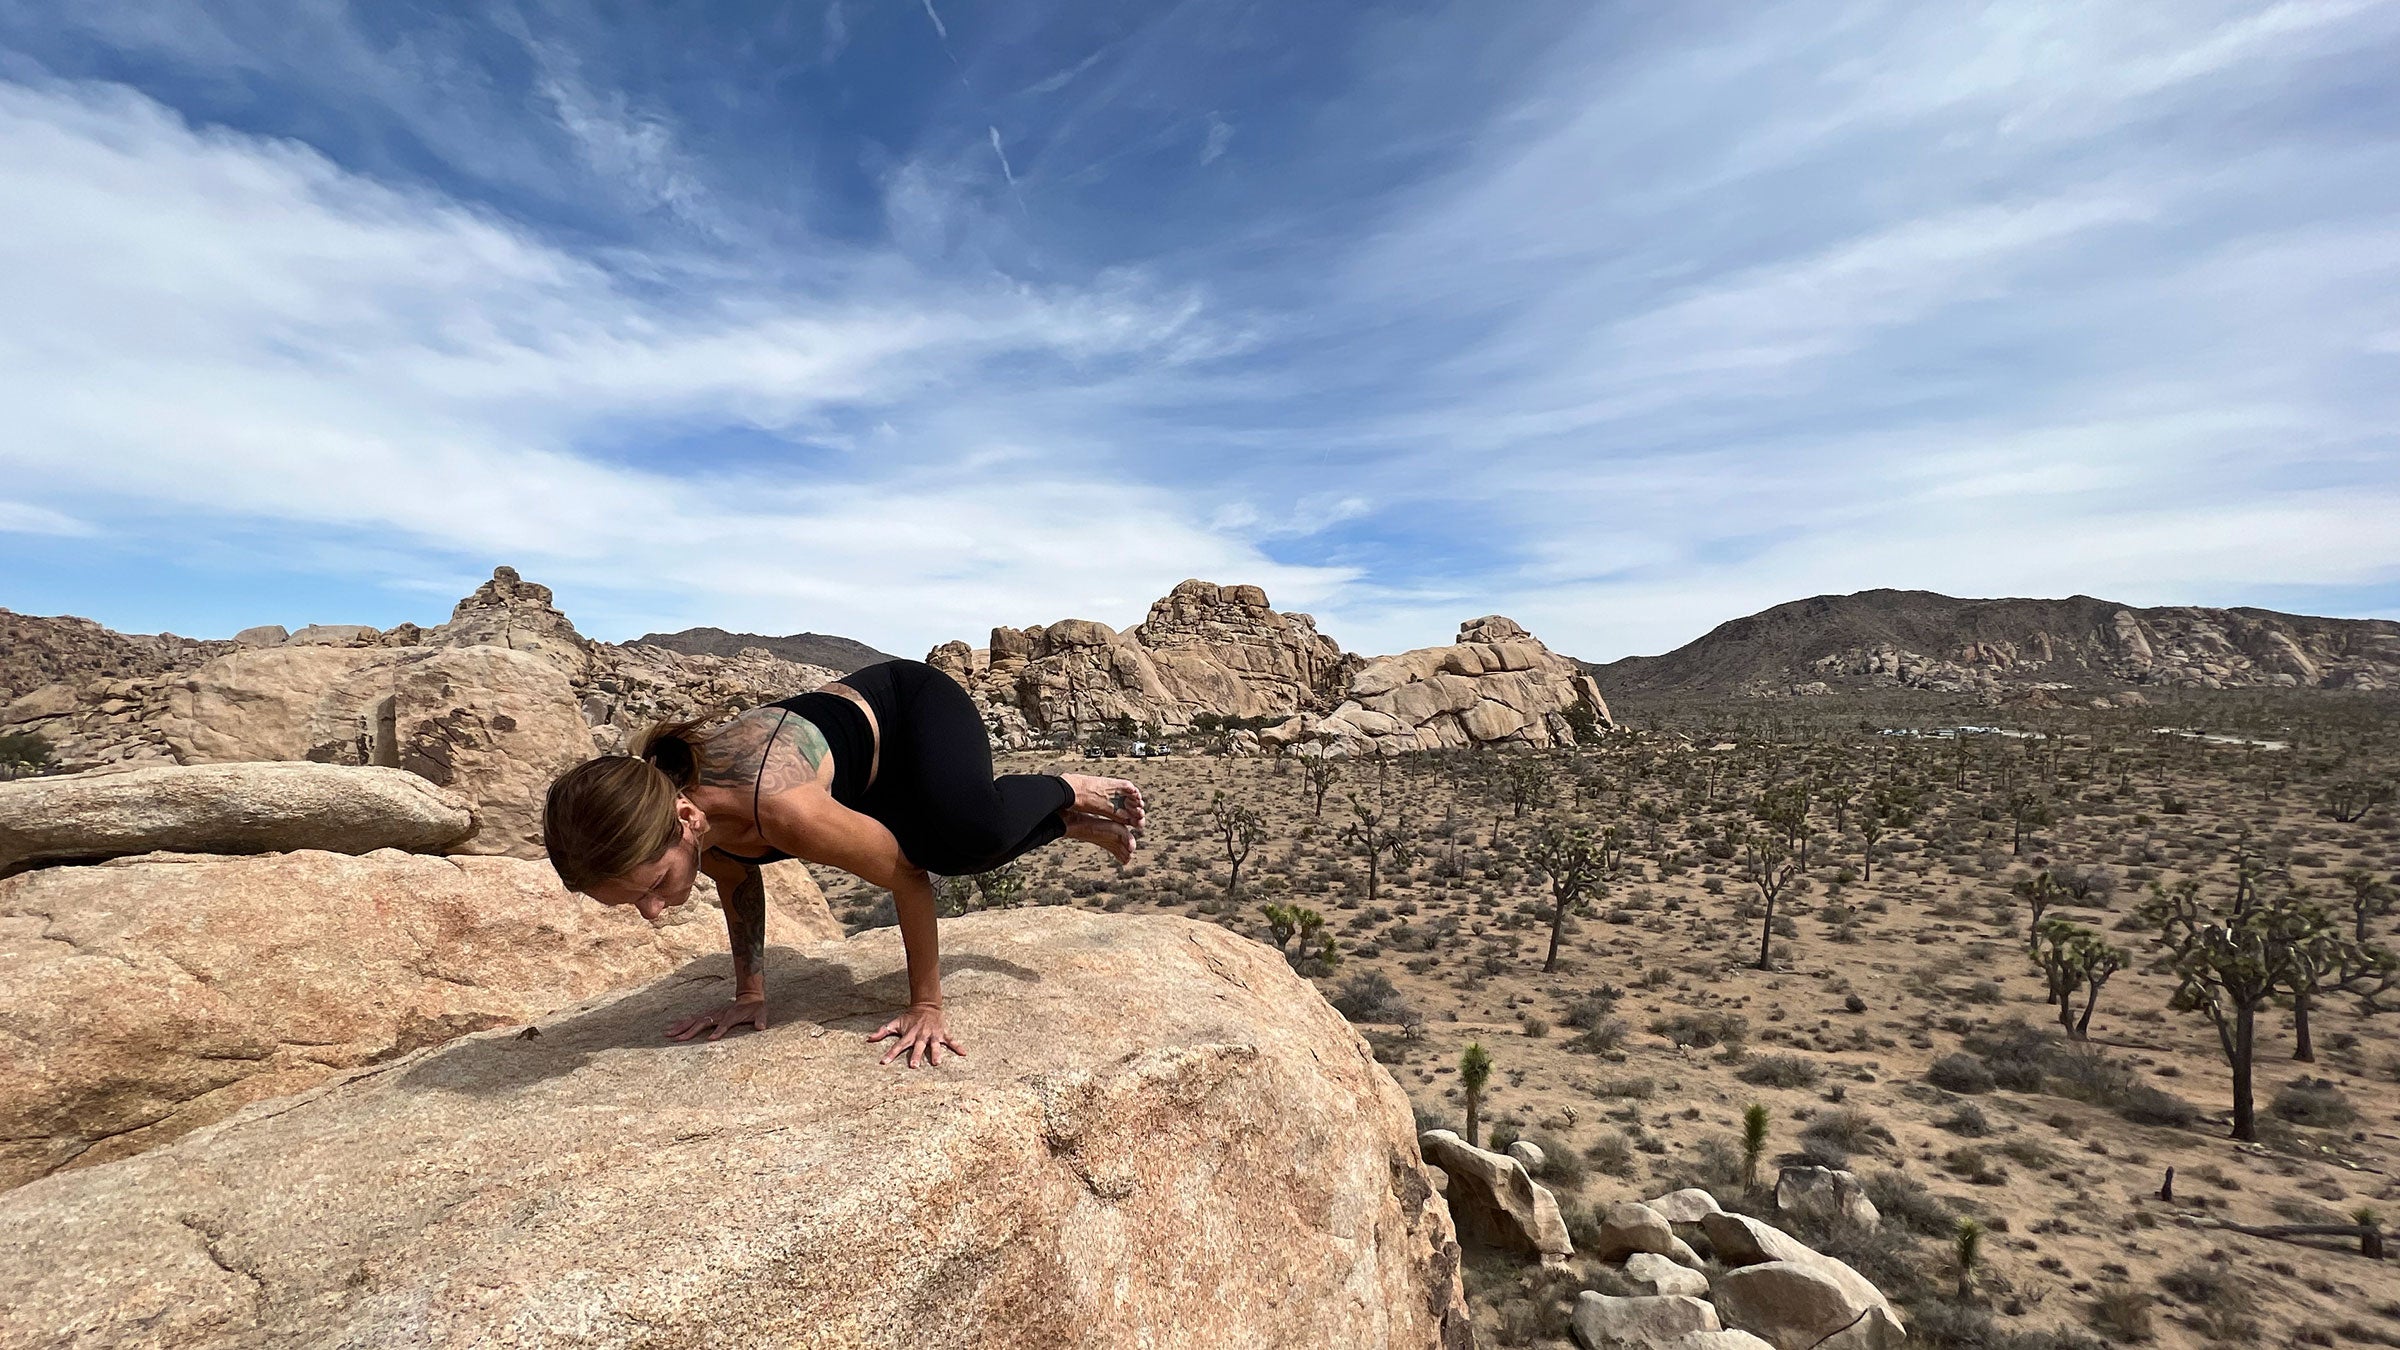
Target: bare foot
column 1115, row 798
column 1111, row 837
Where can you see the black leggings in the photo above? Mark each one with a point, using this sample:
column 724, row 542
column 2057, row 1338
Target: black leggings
column 934, row 788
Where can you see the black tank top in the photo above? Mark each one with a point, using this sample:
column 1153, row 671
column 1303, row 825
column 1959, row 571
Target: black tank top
column 852, row 741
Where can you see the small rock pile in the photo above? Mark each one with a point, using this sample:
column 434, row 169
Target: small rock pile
column 1496, row 685
column 1771, row 1290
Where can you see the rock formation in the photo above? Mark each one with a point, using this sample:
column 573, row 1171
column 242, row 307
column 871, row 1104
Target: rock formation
column 1160, row 1136
column 1203, row 649
column 1494, row 1202
column 229, row 808
column 75, row 652
column 150, row 995
column 1496, row 685
column 1221, row 650
column 1825, row 1193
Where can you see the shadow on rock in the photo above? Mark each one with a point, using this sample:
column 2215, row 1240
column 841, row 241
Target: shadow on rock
column 805, row 993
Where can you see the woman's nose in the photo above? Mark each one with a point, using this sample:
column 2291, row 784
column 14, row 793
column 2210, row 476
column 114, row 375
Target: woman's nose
column 651, row 907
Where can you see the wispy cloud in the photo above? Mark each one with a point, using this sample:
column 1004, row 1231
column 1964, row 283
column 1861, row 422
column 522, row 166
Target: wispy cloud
column 1621, row 323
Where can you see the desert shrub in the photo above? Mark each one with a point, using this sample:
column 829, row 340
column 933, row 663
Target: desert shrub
column 1534, row 1027
column 1854, row 1004
column 1610, row 1154
column 1591, row 1010
column 1845, row 1132
column 1973, row 1165
column 2016, row 1054
column 1903, row 1200
column 2313, row 1101
column 1607, row 1034
column 1370, row 996
column 1783, row 1071
column 1634, row 1089
column 2119, row 1313
column 1501, row 1135
column 2086, row 1075
column 1703, row 1030
column 1960, row 1073
column 1968, row 1120
column 1562, row 1167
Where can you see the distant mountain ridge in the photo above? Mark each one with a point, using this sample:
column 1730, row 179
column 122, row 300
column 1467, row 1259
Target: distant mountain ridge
column 809, row 649
column 1922, row 640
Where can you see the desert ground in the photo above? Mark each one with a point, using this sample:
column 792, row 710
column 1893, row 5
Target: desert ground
column 1902, row 1029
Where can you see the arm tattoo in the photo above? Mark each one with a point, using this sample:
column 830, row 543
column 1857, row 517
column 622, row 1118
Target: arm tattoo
column 746, row 924
column 751, row 749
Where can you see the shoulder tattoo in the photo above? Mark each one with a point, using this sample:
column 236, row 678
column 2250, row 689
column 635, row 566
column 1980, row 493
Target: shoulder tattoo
column 753, row 749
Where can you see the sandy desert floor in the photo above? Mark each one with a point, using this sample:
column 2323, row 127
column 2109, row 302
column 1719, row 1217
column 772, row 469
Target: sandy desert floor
column 1633, row 1060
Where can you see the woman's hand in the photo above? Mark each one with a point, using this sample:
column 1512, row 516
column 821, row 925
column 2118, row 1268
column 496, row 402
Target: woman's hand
column 921, row 1033
column 740, row 1012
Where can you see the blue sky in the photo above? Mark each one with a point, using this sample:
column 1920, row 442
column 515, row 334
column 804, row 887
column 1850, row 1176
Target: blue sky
column 903, row 318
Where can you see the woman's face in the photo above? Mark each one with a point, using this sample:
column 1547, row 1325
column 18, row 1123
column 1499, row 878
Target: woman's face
column 666, row 880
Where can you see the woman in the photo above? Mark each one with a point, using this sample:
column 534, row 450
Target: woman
column 886, row 774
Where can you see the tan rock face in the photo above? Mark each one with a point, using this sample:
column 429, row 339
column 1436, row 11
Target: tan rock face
column 509, row 611
column 1161, row 1136
column 227, row 808
column 1495, row 1202
column 36, row 651
column 148, row 996
column 492, row 724
column 1497, row 685
column 1204, row 648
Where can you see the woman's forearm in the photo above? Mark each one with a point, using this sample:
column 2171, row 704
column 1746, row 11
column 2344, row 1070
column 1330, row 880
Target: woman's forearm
column 912, row 900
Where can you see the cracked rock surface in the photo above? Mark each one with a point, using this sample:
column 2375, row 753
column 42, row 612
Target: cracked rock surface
column 1160, row 1135
column 147, row 996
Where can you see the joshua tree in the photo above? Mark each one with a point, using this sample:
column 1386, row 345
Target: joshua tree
column 1754, row 1143
column 1474, row 1070
column 2026, row 808
column 1289, row 921
column 2232, row 963
column 2370, row 899
column 2039, row 892
column 1771, row 870
column 2075, row 959
column 1524, row 780
column 1566, row 852
column 1322, row 774
column 1870, row 828
column 2352, row 798
column 1241, row 827
column 1379, row 838
column 1968, row 1247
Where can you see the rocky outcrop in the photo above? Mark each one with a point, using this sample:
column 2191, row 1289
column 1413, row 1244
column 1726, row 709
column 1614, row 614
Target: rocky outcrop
column 1794, row 1296
column 1657, row 1322
column 1160, row 1136
column 1653, row 1273
column 493, row 724
column 1204, row 649
column 148, row 996
column 1825, row 1194
column 1494, row 1202
column 76, row 652
column 509, row 611
column 1496, row 685
column 227, row 808
column 1628, row 1228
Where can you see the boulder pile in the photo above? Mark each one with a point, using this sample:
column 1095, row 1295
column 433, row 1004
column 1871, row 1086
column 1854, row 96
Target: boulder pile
column 1496, row 685
column 1204, row 648
column 1160, row 1136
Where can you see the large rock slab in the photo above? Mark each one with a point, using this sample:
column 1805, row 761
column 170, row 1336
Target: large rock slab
column 1805, row 1297
column 1606, row 1322
column 1825, row 1193
column 1627, row 1228
column 1160, row 1136
column 227, row 808
column 1495, row 1202
column 148, row 996
column 1794, row 1306
column 1654, row 1273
